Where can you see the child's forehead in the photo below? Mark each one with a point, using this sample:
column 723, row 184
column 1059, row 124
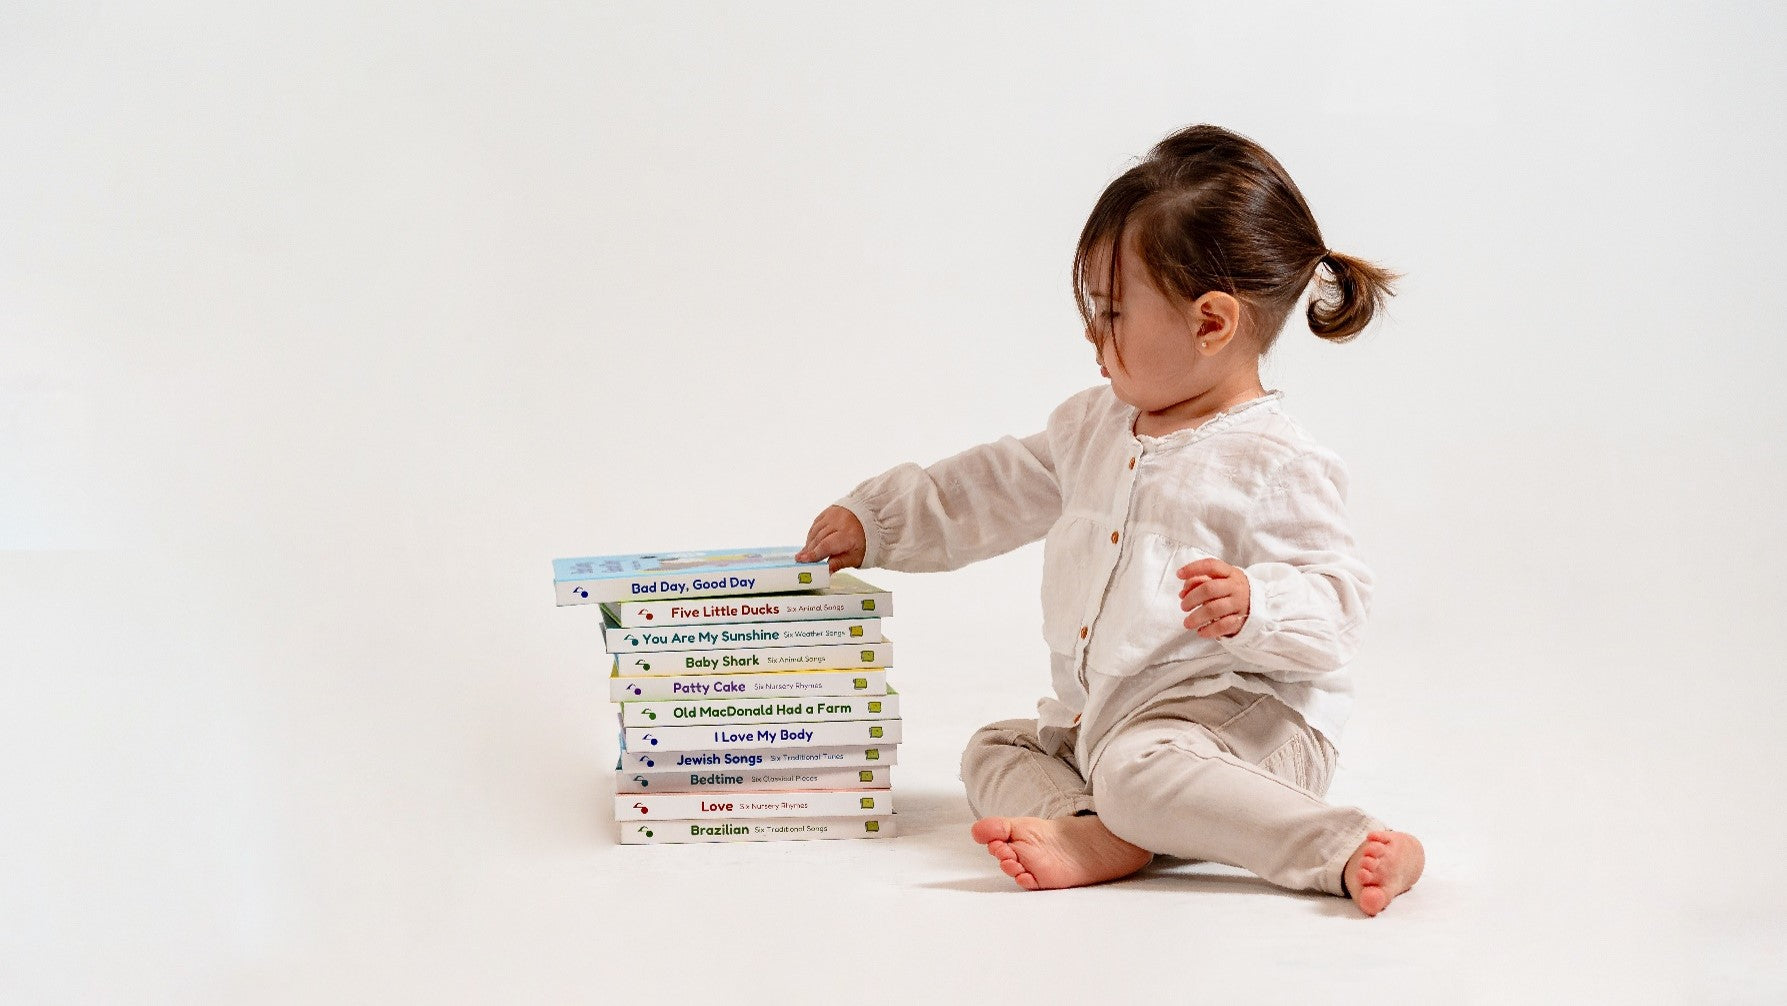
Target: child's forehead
column 1131, row 272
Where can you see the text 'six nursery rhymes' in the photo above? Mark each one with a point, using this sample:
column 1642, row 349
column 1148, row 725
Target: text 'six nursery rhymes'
column 722, row 686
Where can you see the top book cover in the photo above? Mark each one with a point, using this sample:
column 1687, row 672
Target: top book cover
column 663, row 575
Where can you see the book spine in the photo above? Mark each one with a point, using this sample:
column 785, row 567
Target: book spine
column 756, row 830
column 816, row 709
column 756, row 635
column 733, row 780
column 747, row 686
column 694, row 583
column 786, row 658
column 859, row 756
column 762, row 735
column 776, row 608
column 788, row 803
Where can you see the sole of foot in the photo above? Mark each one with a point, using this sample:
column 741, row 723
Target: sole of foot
column 1052, row 853
column 1387, row 864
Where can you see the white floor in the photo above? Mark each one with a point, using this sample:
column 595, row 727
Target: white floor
column 291, row 783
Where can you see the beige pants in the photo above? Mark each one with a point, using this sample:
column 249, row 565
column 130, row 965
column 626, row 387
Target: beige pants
column 1234, row 778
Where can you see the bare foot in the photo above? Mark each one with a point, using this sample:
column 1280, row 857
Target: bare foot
column 1043, row 854
column 1385, row 865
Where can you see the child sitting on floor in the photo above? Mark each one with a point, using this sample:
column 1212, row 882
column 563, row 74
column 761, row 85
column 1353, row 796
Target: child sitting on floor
column 1201, row 595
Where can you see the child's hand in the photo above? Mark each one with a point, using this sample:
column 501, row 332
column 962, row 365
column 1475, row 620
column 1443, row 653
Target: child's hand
column 836, row 533
column 1216, row 594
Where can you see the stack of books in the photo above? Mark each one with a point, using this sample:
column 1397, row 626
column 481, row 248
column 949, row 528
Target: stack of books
column 753, row 694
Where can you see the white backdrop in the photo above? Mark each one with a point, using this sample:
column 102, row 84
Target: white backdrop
column 324, row 327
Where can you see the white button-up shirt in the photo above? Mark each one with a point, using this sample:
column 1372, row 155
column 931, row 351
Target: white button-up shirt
column 1121, row 513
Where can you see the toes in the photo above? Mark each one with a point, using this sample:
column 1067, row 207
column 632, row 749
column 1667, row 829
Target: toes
column 1012, row 867
column 1001, row 850
column 988, row 829
column 1373, row 900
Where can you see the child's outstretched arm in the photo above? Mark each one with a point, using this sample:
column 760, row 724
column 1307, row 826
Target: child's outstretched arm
column 980, row 503
column 1294, row 598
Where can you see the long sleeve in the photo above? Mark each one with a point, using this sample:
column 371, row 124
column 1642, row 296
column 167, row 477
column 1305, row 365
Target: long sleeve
column 1309, row 591
column 980, row 503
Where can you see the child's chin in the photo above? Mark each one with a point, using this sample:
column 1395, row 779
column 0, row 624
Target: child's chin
column 1126, row 398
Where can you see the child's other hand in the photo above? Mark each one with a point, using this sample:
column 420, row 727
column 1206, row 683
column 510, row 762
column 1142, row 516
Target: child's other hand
column 836, row 533
column 1216, row 594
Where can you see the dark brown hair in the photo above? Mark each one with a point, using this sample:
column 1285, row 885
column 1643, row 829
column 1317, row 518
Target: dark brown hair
column 1207, row 210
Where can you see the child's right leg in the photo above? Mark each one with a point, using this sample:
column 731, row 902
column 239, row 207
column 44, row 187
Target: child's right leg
column 1035, row 812
column 1008, row 773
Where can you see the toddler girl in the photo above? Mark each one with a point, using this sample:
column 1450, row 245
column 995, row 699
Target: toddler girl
column 1201, row 592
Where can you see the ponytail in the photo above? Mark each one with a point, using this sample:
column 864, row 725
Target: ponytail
column 1345, row 300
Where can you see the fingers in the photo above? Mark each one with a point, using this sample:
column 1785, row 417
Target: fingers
column 1206, row 568
column 832, row 521
column 828, row 542
column 1204, row 614
column 1225, row 626
column 840, row 549
column 1206, row 592
column 814, row 533
column 1217, row 607
column 837, row 535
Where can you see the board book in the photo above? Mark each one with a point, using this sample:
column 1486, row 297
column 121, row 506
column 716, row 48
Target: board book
column 756, row 830
column 725, row 780
column 784, row 734
column 738, row 635
column 657, row 575
column 844, row 756
column 778, row 658
column 809, row 709
column 746, row 686
column 782, row 803
column 847, row 596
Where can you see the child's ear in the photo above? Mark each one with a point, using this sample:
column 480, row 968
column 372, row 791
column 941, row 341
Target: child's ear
column 1215, row 321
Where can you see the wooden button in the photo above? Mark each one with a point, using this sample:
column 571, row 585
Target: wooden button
column 1083, row 631
column 1132, row 464
column 1113, row 537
